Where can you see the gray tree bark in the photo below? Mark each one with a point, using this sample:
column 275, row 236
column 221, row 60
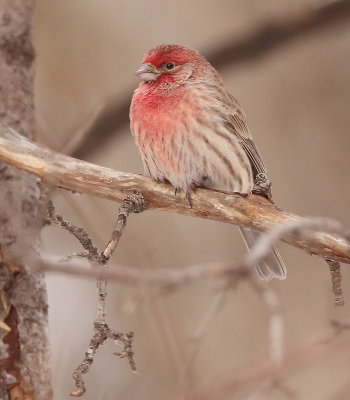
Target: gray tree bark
column 24, row 350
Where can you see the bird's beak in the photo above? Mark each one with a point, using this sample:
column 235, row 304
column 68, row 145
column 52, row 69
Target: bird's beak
column 147, row 73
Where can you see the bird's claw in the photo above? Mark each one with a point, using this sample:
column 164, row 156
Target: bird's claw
column 262, row 186
column 188, row 198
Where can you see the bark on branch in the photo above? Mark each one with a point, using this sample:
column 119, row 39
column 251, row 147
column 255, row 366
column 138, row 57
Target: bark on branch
column 248, row 211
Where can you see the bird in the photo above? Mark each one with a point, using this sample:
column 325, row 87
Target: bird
column 191, row 132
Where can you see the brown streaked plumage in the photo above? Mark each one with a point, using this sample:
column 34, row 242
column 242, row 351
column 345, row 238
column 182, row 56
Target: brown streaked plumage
column 191, row 132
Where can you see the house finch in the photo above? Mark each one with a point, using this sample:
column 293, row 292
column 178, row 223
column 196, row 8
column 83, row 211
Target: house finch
column 191, row 132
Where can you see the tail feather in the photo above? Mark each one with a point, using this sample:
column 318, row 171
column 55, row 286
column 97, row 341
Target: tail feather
column 273, row 265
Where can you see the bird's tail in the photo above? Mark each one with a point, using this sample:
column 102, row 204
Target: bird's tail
column 273, row 265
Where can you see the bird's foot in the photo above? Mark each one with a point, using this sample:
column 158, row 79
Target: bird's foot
column 262, row 186
column 189, row 198
column 187, row 195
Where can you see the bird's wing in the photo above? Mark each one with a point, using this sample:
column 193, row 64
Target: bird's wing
column 236, row 122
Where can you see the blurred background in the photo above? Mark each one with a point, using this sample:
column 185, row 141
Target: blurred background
column 297, row 97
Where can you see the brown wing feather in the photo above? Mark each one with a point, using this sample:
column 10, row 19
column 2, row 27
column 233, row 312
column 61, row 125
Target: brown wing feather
column 236, row 122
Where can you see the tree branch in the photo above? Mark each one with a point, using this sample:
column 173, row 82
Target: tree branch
column 334, row 269
column 173, row 278
column 249, row 211
column 268, row 376
column 101, row 331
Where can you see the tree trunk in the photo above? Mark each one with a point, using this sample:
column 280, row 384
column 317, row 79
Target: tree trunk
column 24, row 354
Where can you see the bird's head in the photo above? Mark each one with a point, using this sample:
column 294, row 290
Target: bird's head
column 170, row 64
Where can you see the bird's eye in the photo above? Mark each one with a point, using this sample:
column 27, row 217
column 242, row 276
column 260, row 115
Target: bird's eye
column 169, row 66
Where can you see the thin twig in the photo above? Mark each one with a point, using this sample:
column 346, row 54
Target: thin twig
column 298, row 228
column 179, row 277
column 334, row 268
column 133, row 203
column 80, row 233
column 102, row 332
column 174, row 278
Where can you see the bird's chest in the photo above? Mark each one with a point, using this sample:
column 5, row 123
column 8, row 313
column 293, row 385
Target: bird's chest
column 158, row 115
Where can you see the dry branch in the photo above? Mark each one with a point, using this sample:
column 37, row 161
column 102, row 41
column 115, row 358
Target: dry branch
column 256, row 374
column 135, row 203
column 248, row 211
column 101, row 330
column 173, row 278
column 231, row 272
column 334, row 268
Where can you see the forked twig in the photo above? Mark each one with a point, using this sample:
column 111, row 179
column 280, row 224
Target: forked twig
column 174, row 278
column 101, row 330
